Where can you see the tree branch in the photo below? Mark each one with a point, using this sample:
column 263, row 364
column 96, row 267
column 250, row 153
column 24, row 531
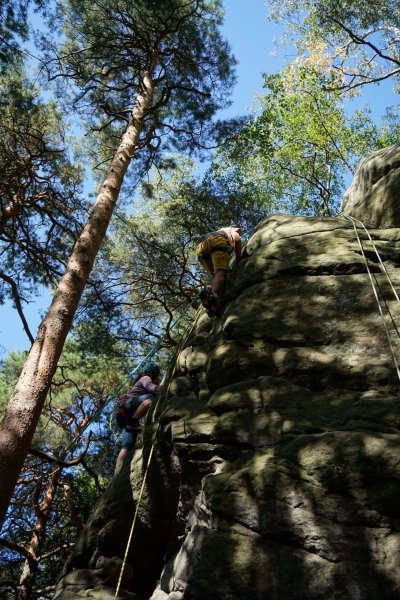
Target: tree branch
column 18, row 305
column 17, row 548
column 56, row 461
column 362, row 41
column 71, row 508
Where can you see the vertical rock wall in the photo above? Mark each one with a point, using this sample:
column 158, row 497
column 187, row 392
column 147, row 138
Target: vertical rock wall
column 374, row 195
column 276, row 469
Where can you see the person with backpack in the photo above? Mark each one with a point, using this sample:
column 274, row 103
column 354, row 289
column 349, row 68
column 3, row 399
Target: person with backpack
column 133, row 406
column 214, row 253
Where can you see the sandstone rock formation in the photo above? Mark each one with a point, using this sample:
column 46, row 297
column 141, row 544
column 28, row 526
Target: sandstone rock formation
column 374, row 195
column 276, row 468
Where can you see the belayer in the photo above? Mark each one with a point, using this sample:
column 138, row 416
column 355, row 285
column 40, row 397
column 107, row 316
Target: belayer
column 214, row 253
column 134, row 405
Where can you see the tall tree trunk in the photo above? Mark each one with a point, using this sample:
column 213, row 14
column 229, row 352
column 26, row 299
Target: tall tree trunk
column 23, row 411
column 24, row 588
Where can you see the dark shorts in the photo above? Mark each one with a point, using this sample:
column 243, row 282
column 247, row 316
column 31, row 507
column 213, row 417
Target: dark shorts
column 129, row 436
column 128, row 439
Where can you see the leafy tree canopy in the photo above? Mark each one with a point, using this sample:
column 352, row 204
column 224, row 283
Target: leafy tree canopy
column 362, row 38
column 80, row 387
column 301, row 144
column 14, row 26
column 148, row 272
column 110, row 45
column 41, row 207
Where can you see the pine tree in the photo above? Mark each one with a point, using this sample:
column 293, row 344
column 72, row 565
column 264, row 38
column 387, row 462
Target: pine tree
column 161, row 68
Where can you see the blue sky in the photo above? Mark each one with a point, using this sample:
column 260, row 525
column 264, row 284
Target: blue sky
column 252, row 39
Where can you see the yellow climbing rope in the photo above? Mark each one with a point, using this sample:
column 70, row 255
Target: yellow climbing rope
column 47, row 471
column 163, row 397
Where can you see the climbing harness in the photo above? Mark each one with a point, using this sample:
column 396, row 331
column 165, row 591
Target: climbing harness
column 161, row 401
column 210, row 246
column 374, row 287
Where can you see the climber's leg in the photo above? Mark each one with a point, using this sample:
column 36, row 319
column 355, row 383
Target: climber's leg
column 218, row 284
column 128, row 442
column 143, row 407
column 120, row 458
column 220, row 260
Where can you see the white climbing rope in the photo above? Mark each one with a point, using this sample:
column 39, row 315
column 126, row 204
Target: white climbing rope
column 353, row 221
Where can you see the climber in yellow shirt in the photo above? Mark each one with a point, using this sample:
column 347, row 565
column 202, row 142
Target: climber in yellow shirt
column 214, row 253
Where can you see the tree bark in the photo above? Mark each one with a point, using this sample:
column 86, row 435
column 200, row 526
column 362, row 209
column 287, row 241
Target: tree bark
column 23, row 590
column 73, row 513
column 23, row 411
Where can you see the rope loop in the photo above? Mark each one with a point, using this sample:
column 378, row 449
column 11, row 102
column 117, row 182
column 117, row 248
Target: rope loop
column 374, row 287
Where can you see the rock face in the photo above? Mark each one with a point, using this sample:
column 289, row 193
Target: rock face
column 276, row 467
column 374, row 195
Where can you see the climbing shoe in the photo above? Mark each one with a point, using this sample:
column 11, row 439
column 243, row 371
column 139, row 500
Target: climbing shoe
column 204, row 295
column 211, row 302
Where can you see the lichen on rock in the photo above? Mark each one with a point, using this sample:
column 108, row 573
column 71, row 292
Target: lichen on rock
column 276, row 467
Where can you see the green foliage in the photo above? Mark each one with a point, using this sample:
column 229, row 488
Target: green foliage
column 41, row 208
column 360, row 38
column 110, row 45
column 389, row 132
column 149, row 271
column 14, row 26
column 10, row 369
column 298, row 149
column 80, row 387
